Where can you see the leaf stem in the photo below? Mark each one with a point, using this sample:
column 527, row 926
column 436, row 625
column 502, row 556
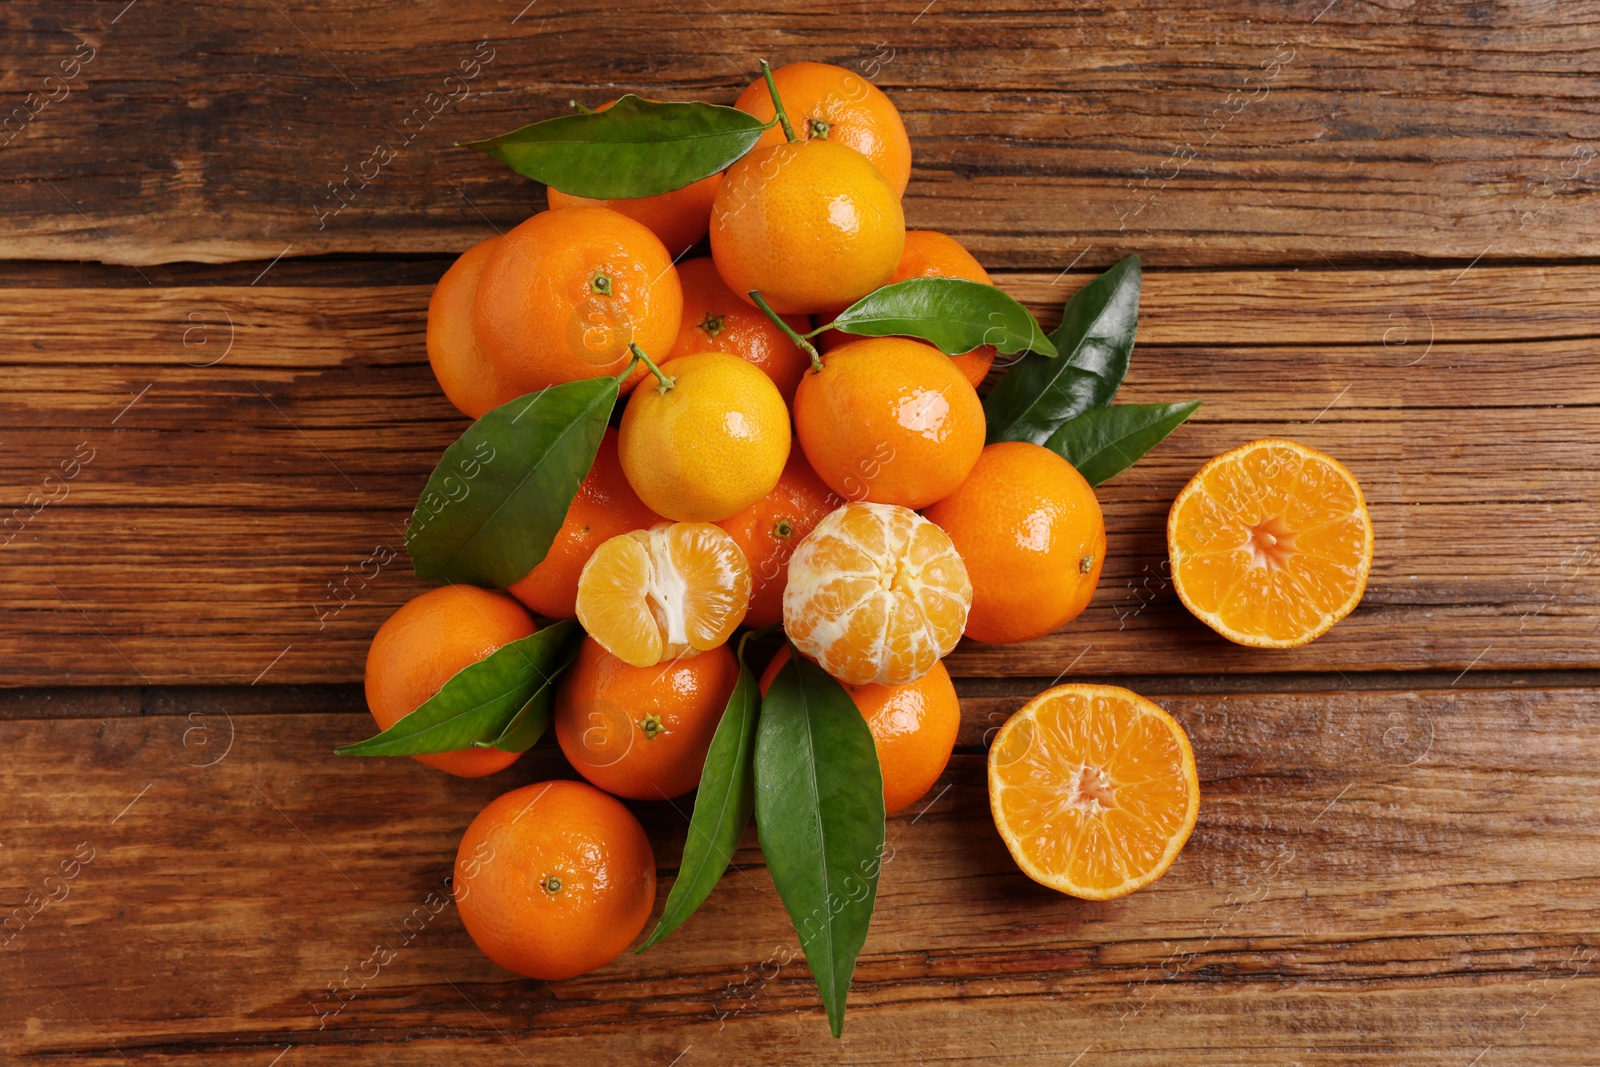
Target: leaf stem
column 580, row 108
column 663, row 382
column 777, row 103
column 805, row 345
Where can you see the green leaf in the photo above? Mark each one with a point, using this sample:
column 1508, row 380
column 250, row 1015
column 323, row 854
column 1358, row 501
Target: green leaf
column 499, row 494
column 819, row 812
column 722, row 806
column 1095, row 339
column 480, row 701
column 634, row 148
column 1103, row 442
column 531, row 720
column 952, row 314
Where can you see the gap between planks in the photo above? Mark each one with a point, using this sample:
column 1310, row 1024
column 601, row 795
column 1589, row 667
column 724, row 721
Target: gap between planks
column 132, row 701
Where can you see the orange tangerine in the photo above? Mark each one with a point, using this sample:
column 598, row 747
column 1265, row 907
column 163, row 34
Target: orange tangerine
column 431, row 638
column 812, row 225
column 825, row 101
column 889, row 420
column 566, row 292
column 1093, row 789
column 717, row 319
column 1270, row 544
column 913, row 726
column 471, row 382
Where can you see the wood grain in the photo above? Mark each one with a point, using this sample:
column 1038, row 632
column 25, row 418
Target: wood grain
column 249, row 446
column 1242, row 132
column 1375, row 877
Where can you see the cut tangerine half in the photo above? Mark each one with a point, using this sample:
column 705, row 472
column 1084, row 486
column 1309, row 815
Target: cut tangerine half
column 1270, row 544
column 673, row 590
column 876, row 594
column 1093, row 790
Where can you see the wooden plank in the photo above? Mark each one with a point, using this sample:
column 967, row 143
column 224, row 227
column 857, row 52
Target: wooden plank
column 240, row 449
column 1376, row 877
column 1241, row 132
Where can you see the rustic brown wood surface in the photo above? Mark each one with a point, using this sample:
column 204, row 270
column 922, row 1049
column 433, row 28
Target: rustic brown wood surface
column 1372, row 228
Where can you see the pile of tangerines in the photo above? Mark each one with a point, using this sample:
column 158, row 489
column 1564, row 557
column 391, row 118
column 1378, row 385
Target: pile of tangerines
column 785, row 433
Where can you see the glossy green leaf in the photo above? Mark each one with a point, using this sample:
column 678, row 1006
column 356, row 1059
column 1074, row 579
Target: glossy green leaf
column 1095, row 339
column 494, row 503
column 722, row 806
column 479, row 702
column 634, row 148
column 952, row 314
column 1103, row 442
column 819, row 812
column 533, row 718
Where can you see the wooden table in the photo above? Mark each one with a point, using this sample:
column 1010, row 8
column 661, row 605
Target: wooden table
column 1372, row 228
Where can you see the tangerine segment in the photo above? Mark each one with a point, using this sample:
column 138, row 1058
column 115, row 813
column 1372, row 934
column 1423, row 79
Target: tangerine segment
column 876, row 593
column 1093, row 789
column 1271, row 544
column 673, row 590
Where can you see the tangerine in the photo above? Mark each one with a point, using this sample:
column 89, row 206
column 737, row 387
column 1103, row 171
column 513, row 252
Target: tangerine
column 828, row 102
column 889, row 420
column 567, row 292
column 768, row 531
column 1270, row 544
column 716, row 319
column 1093, row 789
column 1030, row 531
column 672, row 590
column 930, row 254
column 708, row 442
column 554, row 879
column 913, row 726
column 811, row 224
column 424, row 644
column 471, row 382
column 876, row 593
column 642, row 732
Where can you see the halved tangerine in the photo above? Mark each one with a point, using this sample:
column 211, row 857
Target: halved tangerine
column 672, row 590
column 1093, row 790
column 1270, row 544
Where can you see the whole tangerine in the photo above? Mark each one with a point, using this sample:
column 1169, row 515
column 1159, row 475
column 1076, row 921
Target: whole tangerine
column 889, row 420
column 642, row 732
column 554, row 879
column 1031, row 533
column 708, row 441
column 827, row 102
column 568, row 291
column 427, row 642
column 811, row 224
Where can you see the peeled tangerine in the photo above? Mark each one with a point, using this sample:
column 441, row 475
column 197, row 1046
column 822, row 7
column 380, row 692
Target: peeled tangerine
column 676, row 589
column 876, row 593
